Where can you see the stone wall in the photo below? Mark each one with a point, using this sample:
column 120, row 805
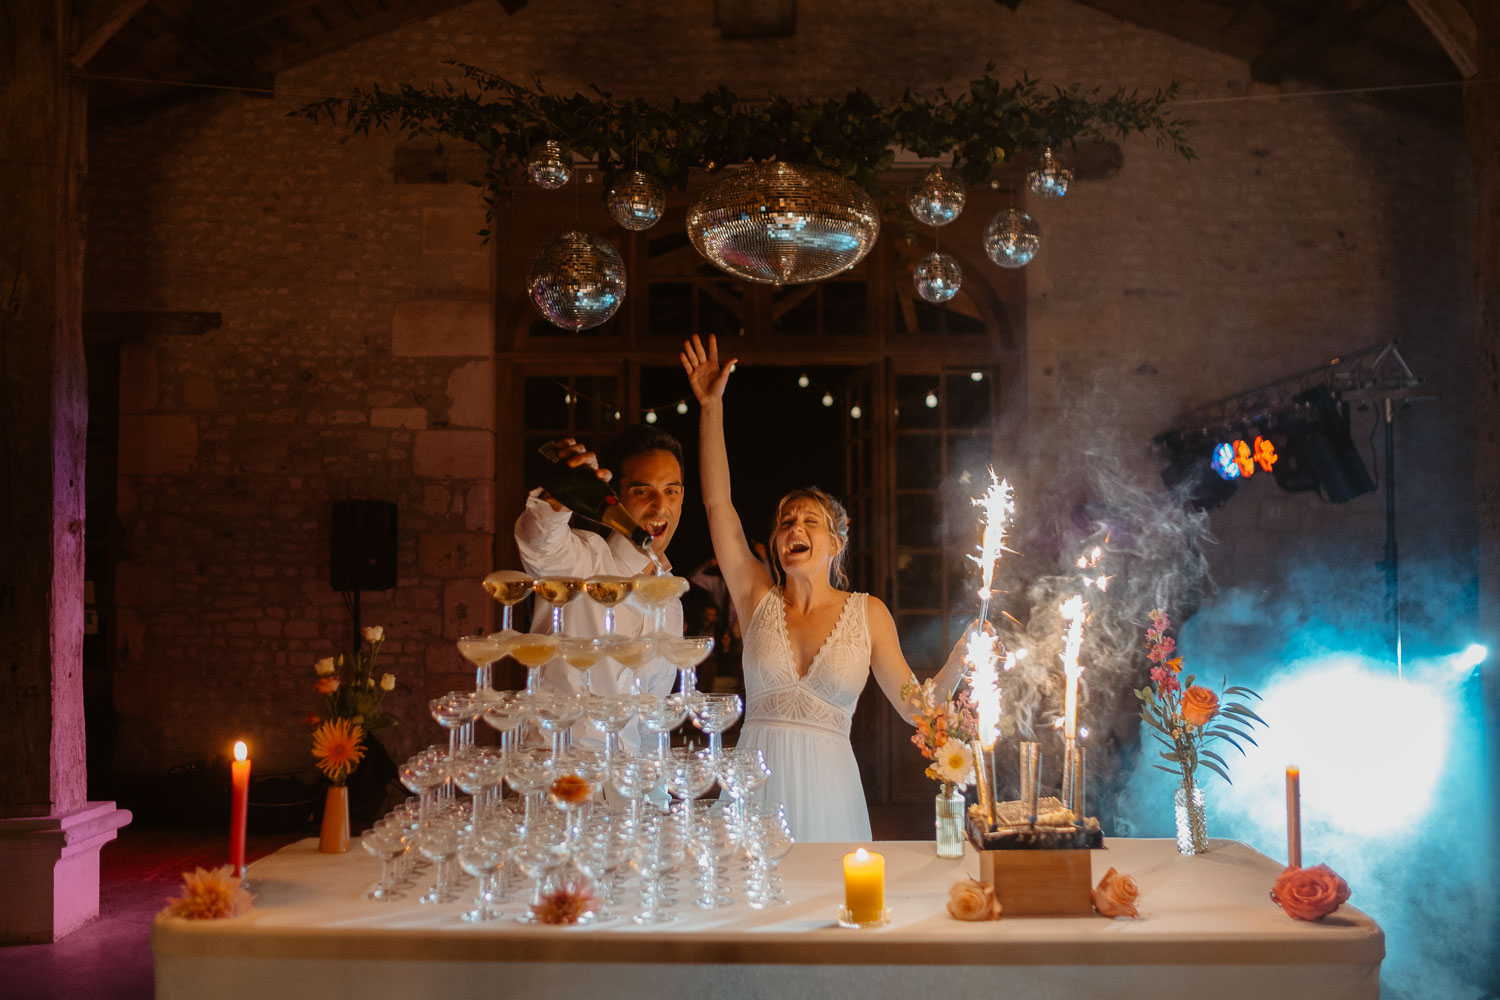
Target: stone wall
column 355, row 356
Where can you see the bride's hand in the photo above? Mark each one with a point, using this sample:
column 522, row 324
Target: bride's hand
column 703, row 370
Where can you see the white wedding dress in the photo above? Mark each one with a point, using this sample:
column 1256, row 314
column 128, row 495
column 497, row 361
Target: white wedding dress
column 802, row 723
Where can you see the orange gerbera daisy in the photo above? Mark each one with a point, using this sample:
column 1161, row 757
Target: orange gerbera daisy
column 337, row 745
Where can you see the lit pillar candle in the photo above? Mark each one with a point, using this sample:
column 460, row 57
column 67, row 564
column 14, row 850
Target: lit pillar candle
column 1293, row 816
column 864, row 886
column 239, row 805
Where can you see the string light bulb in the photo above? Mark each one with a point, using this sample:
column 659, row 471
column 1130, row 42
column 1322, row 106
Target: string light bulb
column 931, row 400
column 568, row 398
column 976, row 376
column 827, row 399
column 802, row 381
column 856, row 412
column 682, row 406
column 650, row 416
column 617, row 414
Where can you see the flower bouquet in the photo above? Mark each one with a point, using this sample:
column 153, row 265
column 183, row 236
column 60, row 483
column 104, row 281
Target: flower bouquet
column 1189, row 720
column 348, row 712
column 945, row 727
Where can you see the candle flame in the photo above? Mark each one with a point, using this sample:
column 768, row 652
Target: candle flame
column 984, row 681
column 861, row 855
column 240, row 750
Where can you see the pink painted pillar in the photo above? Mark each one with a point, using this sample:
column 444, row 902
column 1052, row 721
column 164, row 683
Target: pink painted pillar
column 49, row 835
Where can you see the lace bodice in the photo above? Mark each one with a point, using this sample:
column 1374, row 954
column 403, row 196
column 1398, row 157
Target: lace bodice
column 825, row 697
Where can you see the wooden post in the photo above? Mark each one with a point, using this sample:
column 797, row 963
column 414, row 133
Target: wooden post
column 49, row 835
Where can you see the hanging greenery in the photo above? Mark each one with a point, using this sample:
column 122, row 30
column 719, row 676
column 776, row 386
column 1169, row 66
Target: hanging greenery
column 987, row 125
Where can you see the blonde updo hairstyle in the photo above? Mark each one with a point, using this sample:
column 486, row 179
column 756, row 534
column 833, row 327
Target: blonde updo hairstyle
column 838, row 526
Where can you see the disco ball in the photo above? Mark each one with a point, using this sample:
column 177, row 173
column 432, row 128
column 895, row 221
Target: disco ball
column 783, row 223
column 938, row 277
column 937, row 198
column 636, row 200
column 1050, row 177
column 549, row 164
column 1012, row 238
column 576, row 280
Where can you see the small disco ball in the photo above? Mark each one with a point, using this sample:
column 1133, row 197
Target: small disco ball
column 937, row 277
column 1012, row 238
column 576, row 280
column 549, row 164
column 937, row 198
column 783, row 223
column 636, row 200
column 1050, row 177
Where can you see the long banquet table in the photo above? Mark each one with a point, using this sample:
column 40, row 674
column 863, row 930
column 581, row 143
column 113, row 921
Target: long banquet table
column 1207, row 928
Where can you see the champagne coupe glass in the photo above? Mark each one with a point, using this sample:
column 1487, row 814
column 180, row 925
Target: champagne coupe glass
column 714, row 713
column 605, row 854
column 685, row 653
column 482, row 854
column 558, row 591
column 482, row 651
column 711, row 842
column 770, row 838
column 652, row 594
column 609, row 716
column 422, row 774
column 438, row 842
column 658, row 850
column 478, row 772
column 387, row 841
column 505, row 711
column 690, row 773
column 607, row 591
column 556, row 711
column 744, row 772
column 529, row 772
column 661, row 717
column 537, row 855
column 453, row 711
column 570, row 792
column 533, row 650
column 633, row 777
column 581, row 654
column 632, row 653
column 509, row 587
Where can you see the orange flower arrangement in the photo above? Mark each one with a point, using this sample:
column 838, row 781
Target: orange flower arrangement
column 1199, row 705
column 1116, row 894
column 565, row 906
column 1309, row 893
column 209, row 895
column 337, row 748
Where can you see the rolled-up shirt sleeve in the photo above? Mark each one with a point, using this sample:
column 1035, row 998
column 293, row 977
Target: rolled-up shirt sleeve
column 546, row 540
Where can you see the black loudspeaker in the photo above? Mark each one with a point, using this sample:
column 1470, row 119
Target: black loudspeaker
column 363, row 552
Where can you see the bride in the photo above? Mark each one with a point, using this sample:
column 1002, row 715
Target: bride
column 810, row 646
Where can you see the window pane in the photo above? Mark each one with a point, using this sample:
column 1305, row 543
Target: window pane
column 911, row 401
column 968, row 401
column 917, row 520
column 918, row 461
column 918, row 578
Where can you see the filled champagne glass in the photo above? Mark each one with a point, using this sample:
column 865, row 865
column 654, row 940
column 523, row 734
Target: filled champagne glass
column 685, row 653
column 509, row 587
column 608, row 591
column 558, row 591
column 652, row 594
column 581, row 654
column 632, row 653
column 533, row 650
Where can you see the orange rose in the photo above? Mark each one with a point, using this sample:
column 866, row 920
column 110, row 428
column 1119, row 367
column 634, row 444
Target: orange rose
column 972, row 900
column 570, row 789
column 327, row 685
column 1309, row 893
column 1116, row 895
column 1199, row 705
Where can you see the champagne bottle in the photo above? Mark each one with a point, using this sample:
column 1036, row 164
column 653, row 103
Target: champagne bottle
column 581, row 490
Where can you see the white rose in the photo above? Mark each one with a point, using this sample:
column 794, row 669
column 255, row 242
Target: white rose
column 374, row 633
column 954, row 762
column 325, row 666
column 388, row 682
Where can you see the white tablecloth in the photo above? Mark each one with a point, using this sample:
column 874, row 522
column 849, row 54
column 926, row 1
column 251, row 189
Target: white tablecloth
column 1207, row 929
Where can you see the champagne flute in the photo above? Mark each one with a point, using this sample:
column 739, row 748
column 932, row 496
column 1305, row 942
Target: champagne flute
column 558, row 591
column 607, row 591
column 509, row 587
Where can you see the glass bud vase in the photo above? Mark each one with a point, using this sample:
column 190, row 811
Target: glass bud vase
column 950, row 822
column 1192, row 820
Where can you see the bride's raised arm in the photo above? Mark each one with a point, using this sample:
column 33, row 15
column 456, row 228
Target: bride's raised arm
column 744, row 574
column 888, row 663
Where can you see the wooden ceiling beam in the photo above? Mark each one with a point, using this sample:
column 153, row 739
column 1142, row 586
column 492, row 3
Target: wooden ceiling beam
column 96, row 23
column 1338, row 19
column 1453, row 26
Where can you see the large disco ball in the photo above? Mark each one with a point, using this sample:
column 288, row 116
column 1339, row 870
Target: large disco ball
column 576, row 280
column 1012, row 238
column 937, row 277
column 636, row 200
column 1050, row 177
column 549, row 164
column 783, row 223
column 937, row 198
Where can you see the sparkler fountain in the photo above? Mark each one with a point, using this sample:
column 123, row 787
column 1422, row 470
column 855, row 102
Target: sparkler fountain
column 999, row 506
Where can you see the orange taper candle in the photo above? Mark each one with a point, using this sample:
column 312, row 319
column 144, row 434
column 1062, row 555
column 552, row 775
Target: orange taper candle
column 1293, row 816
column 239, row 805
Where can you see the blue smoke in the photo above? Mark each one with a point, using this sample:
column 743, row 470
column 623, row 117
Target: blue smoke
column 1394, row 783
